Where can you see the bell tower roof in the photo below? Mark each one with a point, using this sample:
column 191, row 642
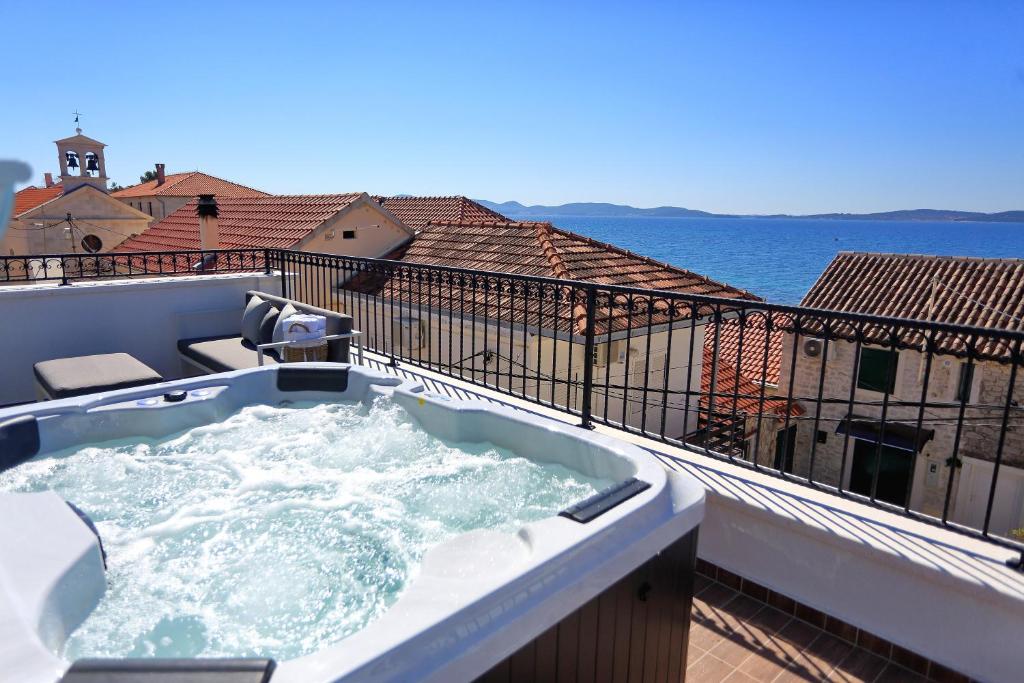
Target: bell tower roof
column 79, row 139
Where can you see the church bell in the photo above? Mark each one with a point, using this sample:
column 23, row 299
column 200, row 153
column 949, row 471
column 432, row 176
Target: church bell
column 72, row 161
column 91, row 164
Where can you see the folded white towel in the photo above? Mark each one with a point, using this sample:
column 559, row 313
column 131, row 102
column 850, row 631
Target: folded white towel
column 304, row 326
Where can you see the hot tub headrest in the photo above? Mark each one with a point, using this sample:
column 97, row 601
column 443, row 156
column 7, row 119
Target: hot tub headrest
column 19, row 441
column 291, row 378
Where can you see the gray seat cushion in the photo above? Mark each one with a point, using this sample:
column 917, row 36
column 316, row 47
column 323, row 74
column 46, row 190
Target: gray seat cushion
column 224, row 354
column 64, row 377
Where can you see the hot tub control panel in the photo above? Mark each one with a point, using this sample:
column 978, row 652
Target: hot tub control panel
column 167, row 399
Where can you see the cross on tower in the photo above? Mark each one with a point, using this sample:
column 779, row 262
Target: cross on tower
column 77, row 128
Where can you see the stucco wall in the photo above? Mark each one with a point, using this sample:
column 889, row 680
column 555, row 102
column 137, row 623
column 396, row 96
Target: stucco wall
column 158, row 206
column 93, row 213
column 376, row 234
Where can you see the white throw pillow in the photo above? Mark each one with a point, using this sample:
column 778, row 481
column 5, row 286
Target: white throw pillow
column 286, row 312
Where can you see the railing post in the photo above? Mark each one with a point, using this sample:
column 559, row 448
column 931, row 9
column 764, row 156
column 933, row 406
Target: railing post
column 266, row 262
column 284, row 276
column 588, row 358
column 64, row 282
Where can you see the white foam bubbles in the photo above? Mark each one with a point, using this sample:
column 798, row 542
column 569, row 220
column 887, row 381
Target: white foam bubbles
column 280, row 529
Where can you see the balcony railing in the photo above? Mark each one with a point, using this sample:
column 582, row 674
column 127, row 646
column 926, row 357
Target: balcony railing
column 918, row 417
column 66, row 268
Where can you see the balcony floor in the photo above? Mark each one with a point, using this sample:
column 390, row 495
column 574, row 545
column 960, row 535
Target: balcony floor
column 737, row 639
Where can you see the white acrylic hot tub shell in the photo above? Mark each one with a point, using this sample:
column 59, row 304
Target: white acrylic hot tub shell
column 478, row 597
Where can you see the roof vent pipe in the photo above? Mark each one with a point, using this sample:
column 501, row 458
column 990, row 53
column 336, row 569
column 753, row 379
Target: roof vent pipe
column 209, row 230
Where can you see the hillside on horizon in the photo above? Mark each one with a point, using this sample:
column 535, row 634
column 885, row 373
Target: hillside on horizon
column 606, row 210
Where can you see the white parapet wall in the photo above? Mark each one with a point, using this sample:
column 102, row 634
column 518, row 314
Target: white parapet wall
column 948, row 597
column 144, row 318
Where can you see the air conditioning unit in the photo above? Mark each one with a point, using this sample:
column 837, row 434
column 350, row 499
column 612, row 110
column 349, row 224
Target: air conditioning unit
column 813, row 347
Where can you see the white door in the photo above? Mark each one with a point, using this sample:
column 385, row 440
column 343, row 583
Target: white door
column 972, row 497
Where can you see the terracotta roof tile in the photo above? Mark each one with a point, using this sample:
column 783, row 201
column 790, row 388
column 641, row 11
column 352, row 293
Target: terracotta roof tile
column 755, row 338
column 540, row 249
column 736, row 395
column 417, row 212
column 30, row 197
column 984, row 292
column 189, row 184
column 272, row 221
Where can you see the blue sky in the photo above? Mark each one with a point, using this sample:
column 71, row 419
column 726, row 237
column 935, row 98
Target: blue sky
column 752, row 107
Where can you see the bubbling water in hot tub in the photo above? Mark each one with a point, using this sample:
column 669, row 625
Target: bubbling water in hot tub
column 280, row 529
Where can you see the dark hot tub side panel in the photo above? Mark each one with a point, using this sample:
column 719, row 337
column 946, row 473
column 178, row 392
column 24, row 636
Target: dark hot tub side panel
column 637, row 629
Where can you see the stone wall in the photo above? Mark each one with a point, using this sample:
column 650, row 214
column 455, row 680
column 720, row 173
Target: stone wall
column 982, row 416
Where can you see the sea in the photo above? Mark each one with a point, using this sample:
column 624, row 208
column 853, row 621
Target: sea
column 779, row 259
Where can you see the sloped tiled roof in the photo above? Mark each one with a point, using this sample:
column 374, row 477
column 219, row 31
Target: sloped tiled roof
column 270, row 222
column 30, row 197
column 540, row 249
column 742, row 396
column 189, row 184
column 987, row 292
column 417, row 212
column 984, row 292
column 756, row 340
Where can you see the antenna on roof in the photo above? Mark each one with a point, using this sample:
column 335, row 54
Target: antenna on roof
column 77, row 128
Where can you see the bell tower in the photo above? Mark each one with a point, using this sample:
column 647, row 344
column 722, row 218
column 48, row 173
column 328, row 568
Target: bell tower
column 81, row 161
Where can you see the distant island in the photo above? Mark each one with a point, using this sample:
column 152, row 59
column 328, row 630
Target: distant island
column 595, row 209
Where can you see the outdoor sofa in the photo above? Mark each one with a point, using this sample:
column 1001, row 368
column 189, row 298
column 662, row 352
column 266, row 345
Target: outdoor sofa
column 261, row 326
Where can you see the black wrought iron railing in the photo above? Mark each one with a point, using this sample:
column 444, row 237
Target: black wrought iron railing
column 67, row 268
column 918, row 417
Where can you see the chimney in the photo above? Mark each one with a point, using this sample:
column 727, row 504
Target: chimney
column 209, row 231
column 160, row 177
column 48, row 177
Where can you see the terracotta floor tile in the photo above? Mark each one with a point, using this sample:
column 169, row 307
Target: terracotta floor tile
column 705, row 637
column 764, row 665
column 770, row 620
column 821, row 656
column 895, row 673
column 715, row 595
column 738, row 639
column 708, row 669
column 734, row 649
column 741, row 608
column 740, row 677
column 752, row 638
column 798, row 674
column 791, row 640
column 700, row 582
column 860, row 666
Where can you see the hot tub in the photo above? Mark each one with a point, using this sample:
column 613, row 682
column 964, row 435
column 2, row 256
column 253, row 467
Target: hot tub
column 603, row 582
